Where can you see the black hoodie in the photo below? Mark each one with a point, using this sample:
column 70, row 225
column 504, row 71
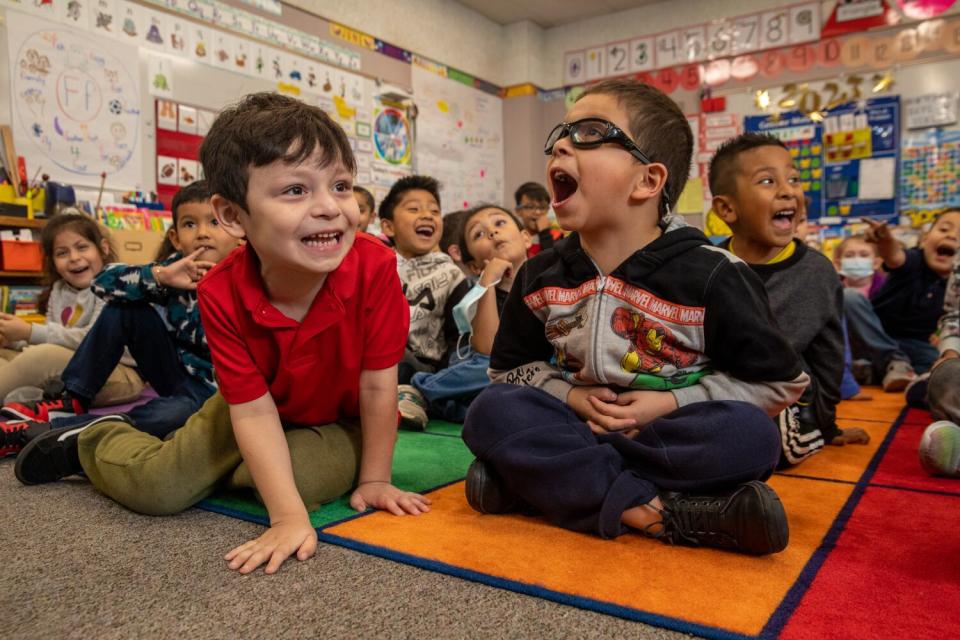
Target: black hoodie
column 678, row 315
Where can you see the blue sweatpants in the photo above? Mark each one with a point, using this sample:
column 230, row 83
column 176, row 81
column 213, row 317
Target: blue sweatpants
column 547, row 455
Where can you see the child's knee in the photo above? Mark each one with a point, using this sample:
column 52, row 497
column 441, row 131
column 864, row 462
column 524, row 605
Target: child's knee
column 943, row 391
column 503, row 409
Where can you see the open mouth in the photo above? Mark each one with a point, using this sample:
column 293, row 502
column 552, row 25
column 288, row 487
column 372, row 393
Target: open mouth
column 783, row 219
column 425, row 231
column 946, row 251
column 79, row 272
column 324, row 240
column 564, row 186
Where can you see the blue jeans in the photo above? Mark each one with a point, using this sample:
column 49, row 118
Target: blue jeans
column 848, row 385
column 449, row 391
column 868, row 339
column 141, row 329
column 922, row 354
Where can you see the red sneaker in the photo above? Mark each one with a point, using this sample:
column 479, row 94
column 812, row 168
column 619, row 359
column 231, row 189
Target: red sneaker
column 45, row 410
column 15, row 434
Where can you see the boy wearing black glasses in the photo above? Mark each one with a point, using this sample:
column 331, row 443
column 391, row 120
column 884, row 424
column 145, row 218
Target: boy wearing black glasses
column 532, row 206
column 636, row 366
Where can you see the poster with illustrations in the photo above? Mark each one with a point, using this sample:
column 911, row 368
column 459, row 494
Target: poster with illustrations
column 464, row 148
column 929, row 166
column 73, row 13
column 76, row 103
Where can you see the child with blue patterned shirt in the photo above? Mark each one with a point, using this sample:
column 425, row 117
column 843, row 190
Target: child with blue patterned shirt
column 170, row 349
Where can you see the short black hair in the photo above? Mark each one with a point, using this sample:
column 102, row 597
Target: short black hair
column 469, row 213
column 533, row 190
column 401, row 186
column 658, row 126
column 197, row 191
column 452, row 228
column 724, row 166
column 371, row 203
column 263, row 128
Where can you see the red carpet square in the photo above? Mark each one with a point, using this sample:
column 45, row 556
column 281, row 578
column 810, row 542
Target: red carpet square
column 894, row 573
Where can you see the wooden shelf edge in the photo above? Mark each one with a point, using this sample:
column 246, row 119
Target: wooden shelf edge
column 16, row 221
column 21, row 274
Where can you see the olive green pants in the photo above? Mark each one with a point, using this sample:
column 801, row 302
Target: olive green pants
column 163, row 477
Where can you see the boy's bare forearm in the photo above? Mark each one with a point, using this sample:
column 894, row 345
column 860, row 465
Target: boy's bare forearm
column 378, row 420
column 891, row 252
column 260, row 438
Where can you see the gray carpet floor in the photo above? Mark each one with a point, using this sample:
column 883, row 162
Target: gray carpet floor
column 77, row 565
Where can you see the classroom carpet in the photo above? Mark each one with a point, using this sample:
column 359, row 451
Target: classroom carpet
column 874, row 549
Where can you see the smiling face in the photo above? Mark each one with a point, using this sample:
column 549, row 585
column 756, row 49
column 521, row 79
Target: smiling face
column 940, row 244
column 493, row 233
column 302, row 218
column 594, row 188
column 416, row 225
column 77, row 259
column 198, row 227
column 763, row 207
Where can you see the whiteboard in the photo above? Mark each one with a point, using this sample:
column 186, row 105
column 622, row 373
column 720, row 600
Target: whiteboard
column 75, row 102
column 459, row 140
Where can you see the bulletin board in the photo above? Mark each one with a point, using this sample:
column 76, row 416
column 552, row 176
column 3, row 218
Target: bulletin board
column 929, row 174
column 75, row 102
column 460, row 139
column 849, row 162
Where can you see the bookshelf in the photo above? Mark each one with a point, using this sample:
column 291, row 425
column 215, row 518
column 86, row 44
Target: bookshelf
column 16, row 221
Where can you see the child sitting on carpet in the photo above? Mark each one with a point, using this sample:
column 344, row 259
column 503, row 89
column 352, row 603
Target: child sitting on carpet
column 894, row 327
column 756, row 191
column 75, row 250
column 636, row 366
column 939, row 391
column 175, row 362
column 432, row 283
column 494, row 246
column 307, row 304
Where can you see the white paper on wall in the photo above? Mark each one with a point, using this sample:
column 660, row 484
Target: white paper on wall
column 76, row 103
column 459, row 139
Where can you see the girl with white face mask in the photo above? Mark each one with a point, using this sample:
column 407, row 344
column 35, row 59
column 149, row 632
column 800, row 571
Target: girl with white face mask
column 859, row 264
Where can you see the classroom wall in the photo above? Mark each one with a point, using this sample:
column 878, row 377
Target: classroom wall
column 442, row 30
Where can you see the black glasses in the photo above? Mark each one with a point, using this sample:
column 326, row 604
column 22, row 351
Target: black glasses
column 593, row 132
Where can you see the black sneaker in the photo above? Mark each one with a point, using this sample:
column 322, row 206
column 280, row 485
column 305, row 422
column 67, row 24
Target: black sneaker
column 750, row 519
column 15, row 434
column 53, row 455
column 485, row 490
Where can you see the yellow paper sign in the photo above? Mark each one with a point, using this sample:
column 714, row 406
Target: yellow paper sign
column 344, row 110
column 691, row 200
column 353, row 36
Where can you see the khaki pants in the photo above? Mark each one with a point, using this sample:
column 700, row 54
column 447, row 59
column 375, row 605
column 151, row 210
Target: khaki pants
column 38, row 363
column 163, row 477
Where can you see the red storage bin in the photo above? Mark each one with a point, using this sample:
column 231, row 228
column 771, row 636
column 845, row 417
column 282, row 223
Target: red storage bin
column 21, row 255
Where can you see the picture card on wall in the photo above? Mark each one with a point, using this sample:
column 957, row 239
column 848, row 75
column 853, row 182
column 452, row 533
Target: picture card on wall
column 160, row 76
column 155, row 30
column 200, row 44
column 241, row 56
column 178, row 35
column 103, row 17
column 186, row 171
column 222, row 54
column 167, row 170
column 131, row 22
column 204, row 120
column 73, row 13
column 187, row 122
column 167, row 115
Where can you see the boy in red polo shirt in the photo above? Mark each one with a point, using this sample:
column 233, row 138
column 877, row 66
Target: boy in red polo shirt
column 306, row 324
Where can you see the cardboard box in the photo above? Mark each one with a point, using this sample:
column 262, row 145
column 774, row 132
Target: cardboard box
column 21, row 255
column 136, row 246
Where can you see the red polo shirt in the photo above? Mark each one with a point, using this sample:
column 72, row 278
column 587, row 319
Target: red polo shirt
column 359, row 320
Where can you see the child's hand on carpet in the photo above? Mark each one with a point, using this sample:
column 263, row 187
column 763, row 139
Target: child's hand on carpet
column 852, row 435
column 385, row 496
column 279, row 542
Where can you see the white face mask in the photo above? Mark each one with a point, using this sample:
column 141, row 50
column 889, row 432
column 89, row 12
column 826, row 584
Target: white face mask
column 466, row 309
column 856, row 267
